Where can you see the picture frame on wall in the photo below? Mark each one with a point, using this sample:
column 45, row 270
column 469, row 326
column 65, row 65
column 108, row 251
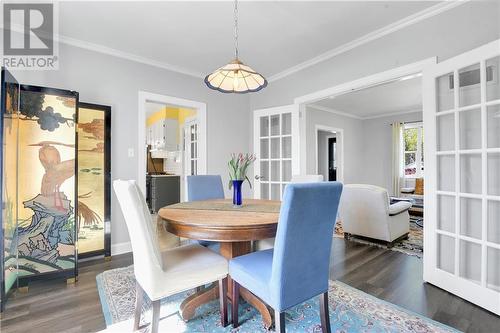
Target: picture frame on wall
column 94, row 180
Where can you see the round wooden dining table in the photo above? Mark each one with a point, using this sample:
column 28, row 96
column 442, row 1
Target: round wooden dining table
column 234, row 228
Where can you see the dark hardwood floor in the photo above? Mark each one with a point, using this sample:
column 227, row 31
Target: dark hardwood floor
column 392, row 276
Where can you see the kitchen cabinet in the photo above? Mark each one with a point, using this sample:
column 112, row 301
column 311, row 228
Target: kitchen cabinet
column 163, row 135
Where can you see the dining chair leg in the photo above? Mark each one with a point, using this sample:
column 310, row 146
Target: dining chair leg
column 139, row 297
column 156, row 316
column 324, row 313
column 235, row 297
column 279, row 321
column 223, row 301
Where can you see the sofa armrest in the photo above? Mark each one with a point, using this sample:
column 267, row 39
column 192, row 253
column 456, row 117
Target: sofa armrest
column 407, row 190
column 399, row 207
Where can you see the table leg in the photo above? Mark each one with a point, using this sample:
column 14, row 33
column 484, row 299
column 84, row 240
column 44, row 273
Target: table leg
column 231, row 250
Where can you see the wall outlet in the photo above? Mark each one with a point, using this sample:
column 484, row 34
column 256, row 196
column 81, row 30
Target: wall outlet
column 131, row 152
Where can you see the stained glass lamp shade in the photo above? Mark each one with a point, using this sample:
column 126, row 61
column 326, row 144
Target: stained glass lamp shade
column 235, row 77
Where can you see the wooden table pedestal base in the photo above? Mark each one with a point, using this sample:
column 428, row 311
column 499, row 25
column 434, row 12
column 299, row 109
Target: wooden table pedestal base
column 229, row 250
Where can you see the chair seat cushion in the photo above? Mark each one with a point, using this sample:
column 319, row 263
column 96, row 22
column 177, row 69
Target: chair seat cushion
column 253, row 271
column 187, row 267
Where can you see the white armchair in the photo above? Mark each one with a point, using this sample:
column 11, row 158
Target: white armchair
column 161, row 274
column 365, row 211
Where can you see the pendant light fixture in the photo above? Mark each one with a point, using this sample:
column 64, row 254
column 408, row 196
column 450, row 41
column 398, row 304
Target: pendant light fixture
column 235, row 77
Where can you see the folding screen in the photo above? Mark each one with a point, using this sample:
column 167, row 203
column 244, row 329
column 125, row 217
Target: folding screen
column 8, row 178
column 46, row 182
column 94, row 180
column 46, row 205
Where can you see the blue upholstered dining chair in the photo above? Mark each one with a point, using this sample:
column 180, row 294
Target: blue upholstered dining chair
column 297, row 269
column 205, row 187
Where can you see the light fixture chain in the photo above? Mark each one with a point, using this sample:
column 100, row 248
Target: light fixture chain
column 236, row 29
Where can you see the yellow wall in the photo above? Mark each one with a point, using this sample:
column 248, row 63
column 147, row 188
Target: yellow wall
column 171, row 113
column 179, row 114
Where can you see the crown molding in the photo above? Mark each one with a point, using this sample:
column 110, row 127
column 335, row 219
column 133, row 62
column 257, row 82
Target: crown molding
column 376, row 34
column 346, row 114
column 327, row 109
column 125, row 55
column 116, row 53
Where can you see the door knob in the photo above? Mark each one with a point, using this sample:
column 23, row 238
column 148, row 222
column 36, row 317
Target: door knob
column 257, row 177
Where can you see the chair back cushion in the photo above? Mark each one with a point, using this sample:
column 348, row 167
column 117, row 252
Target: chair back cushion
column 204, row 187
column 307, row 178
column 303, row 242
column 145, row 248
column 364, row 210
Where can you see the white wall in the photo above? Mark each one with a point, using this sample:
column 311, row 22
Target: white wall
column 367, row 145
column 377, row 144
column 352, row 142
column 114, row 81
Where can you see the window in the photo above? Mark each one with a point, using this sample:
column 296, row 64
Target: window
column 413, row 136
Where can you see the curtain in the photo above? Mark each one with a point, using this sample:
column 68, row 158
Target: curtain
column 397, row 158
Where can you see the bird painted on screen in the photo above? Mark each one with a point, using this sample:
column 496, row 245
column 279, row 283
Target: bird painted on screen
column 56, row 171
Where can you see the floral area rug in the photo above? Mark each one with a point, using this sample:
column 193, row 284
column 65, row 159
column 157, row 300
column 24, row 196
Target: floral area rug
column 413, row 245
column 351, row 310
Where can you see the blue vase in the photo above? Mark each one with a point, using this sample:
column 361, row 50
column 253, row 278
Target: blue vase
column 237, row 197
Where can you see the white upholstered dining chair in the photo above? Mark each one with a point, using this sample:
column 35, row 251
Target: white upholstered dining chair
column 161, row 274
column 268, row 243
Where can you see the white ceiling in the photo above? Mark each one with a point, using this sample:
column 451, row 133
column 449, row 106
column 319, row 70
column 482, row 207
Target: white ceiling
column 395, row 97
column 197, row 37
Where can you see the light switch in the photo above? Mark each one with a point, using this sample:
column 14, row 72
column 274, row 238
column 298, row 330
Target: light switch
column 131, row 152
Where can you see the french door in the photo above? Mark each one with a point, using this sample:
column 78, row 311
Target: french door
column 191, row 147
column 276, row 146
column 462, row 190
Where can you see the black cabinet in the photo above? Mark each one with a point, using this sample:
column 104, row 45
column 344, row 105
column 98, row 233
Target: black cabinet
column 162, row 190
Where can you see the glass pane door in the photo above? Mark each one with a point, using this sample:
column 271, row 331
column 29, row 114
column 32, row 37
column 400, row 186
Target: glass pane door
column 276, row 154
column 274, row 146
column 463, row 233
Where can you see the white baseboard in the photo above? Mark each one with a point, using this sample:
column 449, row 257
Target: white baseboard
column 121, row 248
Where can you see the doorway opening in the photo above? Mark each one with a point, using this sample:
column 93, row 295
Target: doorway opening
column 328, row 153
column 172, row 145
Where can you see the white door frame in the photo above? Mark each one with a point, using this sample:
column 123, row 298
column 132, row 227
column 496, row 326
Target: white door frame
column 358, row 84
column 294, row 110
column 339, row 134
column 201, row 114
